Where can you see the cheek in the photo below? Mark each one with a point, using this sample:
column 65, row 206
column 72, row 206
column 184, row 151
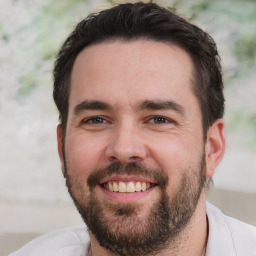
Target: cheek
column 168, row 152
column 174, row 155
column 83, row 155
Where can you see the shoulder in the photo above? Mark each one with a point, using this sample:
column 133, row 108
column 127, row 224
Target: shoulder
column 65, row 242
column 243, row 235
column 230, row 235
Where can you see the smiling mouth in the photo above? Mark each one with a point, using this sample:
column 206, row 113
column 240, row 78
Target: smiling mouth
column 127, row 187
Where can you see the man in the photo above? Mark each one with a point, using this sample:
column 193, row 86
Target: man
column 140, row 96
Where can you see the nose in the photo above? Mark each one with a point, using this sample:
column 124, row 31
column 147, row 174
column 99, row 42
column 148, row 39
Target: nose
column 126, row 145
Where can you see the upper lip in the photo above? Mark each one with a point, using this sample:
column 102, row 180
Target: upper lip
column 127, row 178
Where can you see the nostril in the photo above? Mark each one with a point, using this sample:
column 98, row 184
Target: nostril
column 113, row 159
column 134, row 158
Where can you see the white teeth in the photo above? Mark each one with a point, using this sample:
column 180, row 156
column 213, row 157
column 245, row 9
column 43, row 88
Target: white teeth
column 143, row 186
column 110, row 187
column 122, row 187
column 129, row 187
column 115, row 187
column 138, row 186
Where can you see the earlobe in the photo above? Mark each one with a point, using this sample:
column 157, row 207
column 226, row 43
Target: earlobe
column 60, row 146
column 215, row 146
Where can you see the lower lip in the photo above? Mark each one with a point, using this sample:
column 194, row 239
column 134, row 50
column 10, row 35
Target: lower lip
column 126, row 197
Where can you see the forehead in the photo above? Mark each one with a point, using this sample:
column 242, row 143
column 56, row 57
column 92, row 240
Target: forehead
column 122, row 71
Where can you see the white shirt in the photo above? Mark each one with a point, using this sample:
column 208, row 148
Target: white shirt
column 227, row 237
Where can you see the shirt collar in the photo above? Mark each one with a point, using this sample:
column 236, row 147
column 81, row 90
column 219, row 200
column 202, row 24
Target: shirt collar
column 220, row 241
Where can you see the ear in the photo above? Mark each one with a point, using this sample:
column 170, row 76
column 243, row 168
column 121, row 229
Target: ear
column 60, row 146
column 214, row 147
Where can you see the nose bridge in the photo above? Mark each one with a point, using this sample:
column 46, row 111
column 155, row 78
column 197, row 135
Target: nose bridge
column 126, row 143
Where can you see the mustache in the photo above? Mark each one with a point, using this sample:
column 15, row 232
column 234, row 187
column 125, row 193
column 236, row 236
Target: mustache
column 133, row 168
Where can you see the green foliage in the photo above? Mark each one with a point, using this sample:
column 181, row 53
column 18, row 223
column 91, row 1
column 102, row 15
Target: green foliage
column 242, row 120
column 28, row 82
column 245, row 49
column 36, row 30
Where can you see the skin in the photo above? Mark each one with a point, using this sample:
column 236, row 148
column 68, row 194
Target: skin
column 124, row 75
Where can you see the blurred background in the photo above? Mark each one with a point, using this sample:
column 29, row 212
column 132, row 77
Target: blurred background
column 33, row 197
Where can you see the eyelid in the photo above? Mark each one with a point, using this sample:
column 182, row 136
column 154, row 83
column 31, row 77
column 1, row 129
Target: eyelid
column 90, row 118
column 169, row 120
column 149, row 119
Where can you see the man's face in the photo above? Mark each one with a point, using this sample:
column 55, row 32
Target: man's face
column 134, row 150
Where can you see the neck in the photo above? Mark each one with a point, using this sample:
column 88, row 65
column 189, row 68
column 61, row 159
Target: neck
column 193, row 239
column 191, row 242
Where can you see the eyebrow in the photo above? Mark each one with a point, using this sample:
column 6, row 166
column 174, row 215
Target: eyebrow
column 145, row 105
column 162, row 105
column 91, row 105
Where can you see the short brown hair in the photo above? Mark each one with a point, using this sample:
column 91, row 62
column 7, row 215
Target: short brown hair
column 147, row 21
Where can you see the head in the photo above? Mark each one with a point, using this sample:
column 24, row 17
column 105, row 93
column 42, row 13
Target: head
column 145, row 21
column 139, row 92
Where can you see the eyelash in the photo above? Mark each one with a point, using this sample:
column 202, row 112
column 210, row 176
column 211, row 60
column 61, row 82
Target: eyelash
column 97, row 120
column 92, row 120
column 160, row 120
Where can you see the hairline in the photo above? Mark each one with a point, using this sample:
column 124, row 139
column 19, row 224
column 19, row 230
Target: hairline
column 194, row 79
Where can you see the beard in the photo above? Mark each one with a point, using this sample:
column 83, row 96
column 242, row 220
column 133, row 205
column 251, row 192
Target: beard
column 119, row 227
